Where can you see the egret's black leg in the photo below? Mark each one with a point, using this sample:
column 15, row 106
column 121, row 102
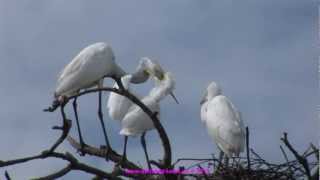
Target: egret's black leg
column 221, row 158
column 119, row 82
column 226, row 161
column 143, row 143
column 82, row 144
column 102, row 124
column 124, row 154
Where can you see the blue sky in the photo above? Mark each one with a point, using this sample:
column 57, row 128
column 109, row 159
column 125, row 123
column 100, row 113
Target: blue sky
column 261, row 52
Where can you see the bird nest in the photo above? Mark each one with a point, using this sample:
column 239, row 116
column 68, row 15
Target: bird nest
column 253, row 166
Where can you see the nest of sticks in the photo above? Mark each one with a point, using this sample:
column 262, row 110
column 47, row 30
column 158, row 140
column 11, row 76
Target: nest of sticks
column 253, row 166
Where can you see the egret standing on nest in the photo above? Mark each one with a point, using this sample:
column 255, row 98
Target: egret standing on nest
column 223, row 121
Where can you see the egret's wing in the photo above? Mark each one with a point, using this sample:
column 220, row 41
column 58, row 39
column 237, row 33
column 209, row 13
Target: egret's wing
column 203, row 112
column 223, row 123
column 86, row 69
column 73, row 66
column 136, row 121
column 240, row 124
column 238, row 116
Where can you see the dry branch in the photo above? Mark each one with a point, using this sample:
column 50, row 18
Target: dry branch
column 165, row 163
column 252, row 166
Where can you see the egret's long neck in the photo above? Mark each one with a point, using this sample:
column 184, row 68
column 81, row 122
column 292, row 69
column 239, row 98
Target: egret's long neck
column 118, row 71
column 162, row 89
column 157, row 93
column 137, row 77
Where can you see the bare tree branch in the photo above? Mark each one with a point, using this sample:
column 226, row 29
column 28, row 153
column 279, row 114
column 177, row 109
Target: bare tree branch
column 167, row 158
column 6, row 174
column 241, row 167
column 74, row 163
column 100, row 152
column 316, row 150
column 303, row 161
column 248, row 151
column 286, row 158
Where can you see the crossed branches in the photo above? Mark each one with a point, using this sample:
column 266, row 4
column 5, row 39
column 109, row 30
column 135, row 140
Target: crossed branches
column 74, row 164
column 252, row 166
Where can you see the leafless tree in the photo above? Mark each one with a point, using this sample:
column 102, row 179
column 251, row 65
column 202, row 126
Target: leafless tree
column 253, row 166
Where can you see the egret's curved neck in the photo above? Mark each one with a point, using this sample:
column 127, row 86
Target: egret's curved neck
column 162, row 89
column 118, row 71
column 139, row 76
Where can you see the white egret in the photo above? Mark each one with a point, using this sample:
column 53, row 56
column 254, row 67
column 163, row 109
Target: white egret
column 88, row 69
column 118, row 105
column 136, row 121
column 223, row 121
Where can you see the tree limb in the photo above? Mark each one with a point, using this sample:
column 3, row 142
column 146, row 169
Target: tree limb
column 6, row 174
column 74, row 163
column 302, row 161
column 100, row 152
column 167, row 158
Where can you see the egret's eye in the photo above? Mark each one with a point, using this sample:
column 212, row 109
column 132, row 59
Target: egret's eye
column 159, row 74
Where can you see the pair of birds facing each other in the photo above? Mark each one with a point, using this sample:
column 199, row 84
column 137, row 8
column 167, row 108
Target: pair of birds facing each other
column 134, row 121
column 91, row 66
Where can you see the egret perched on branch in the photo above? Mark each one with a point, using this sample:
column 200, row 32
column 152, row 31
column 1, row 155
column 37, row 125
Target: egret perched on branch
column 88, row 69
column 136, row 121
column 223, row 121
column 118, row 105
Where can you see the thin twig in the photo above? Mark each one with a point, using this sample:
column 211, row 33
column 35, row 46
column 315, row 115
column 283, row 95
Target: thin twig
column 166, row 161
column 6, row 174
column 248, row 152
column 203, row 172
column 75, row 164
column 66, row 126
column 286, row 158
column 101, row 152
column 302, row 161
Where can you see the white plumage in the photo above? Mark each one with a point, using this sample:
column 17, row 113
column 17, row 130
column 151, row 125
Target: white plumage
column 118, row 105
column 136, row 121
column 87, row 69
column 223, row 121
